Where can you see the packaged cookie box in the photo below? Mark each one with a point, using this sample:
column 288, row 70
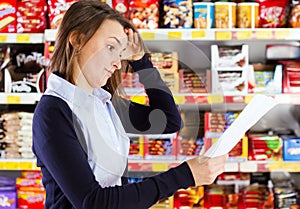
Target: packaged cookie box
column 167, row 65
column 8, row 18
column 291, row 148
column 291, row 77
column 144, row 14
column 189, row 147
column 160, row 147
column 191, row 81
column 177, row 14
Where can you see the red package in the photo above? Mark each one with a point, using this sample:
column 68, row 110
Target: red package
column 57, row 8
column 273, row 13
column 31, row 16
column 121, row 6
column 8, row 16
column 144, row 13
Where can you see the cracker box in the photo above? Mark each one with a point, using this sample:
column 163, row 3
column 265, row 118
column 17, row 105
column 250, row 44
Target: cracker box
column 136, row 149
column 291, row 148
column 8, row 16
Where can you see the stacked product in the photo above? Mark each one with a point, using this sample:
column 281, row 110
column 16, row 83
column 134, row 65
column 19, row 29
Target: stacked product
column 30, row 191
column 16, row 136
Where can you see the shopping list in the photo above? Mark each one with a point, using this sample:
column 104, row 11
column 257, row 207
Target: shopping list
column 258, row 106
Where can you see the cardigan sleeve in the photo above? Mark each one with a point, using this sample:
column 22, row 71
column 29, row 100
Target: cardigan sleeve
column 69, row 176
column 161, row 115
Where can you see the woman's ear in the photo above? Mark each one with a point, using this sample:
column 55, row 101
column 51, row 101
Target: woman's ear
column 75, row 40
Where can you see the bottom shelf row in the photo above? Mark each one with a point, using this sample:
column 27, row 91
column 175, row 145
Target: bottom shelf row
column 234, row 190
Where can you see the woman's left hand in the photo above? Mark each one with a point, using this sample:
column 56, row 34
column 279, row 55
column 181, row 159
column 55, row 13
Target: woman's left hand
column 134, row 50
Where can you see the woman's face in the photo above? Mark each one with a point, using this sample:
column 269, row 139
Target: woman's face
column 101, row 55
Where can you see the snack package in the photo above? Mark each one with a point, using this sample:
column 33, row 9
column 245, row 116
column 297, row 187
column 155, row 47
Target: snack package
column 144, row 13
column 247, row 14
column 31, row 16
column 295, row 16
column 56, row 9
column 8, row 16
column 26, row 70
column 177, row 14
column 121, row 6
column 273, row 13
column 225, row 15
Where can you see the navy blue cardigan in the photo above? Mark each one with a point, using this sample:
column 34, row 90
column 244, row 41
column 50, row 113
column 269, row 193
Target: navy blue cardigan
column 67, row 176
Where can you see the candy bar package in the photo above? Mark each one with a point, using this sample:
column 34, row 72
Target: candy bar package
column 26, row 72
column 56, row 9
column 8, row 16
column 273, row 13
column 295, row 16
column 144, row 13
column 177, row 14
column 31, row 16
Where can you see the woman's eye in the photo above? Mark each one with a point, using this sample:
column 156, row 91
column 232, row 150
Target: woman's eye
column 110, row 47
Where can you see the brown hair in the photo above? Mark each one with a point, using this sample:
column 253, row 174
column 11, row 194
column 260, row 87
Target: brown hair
column 83, row 19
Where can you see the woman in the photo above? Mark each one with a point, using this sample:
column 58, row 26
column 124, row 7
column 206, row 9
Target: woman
column 78, row 137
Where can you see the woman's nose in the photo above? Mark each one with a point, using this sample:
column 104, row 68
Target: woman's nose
column 117, row 64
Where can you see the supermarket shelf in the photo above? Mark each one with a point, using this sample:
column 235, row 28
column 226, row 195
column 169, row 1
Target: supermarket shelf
column 248, row 166
column 21, row 38
column 196, row 98
column 19, row 98
column 210, row 34
column 160, row 166
column 180, row 99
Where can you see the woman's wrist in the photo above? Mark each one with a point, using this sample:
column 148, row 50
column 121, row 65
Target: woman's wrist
column 143, row 63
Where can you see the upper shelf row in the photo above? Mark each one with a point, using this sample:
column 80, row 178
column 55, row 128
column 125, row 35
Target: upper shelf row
column 176, row 34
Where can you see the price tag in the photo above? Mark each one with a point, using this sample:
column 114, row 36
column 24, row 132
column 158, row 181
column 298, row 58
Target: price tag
column 11, row 166
column 148, row 35
column 175, row 35
column 158, row 167
column 244, row 35
column 179, row 99
column 223, row 35
column 3, row 38
column 2, row 165
column 248, row 98
column 139, row 99
column 198, row 34
column 25, row 165
column 284, row 166
column 282, row 34
column 23, row 38
column 215, row 98
column 264, row 34
column 248, row 167
column 13, row 99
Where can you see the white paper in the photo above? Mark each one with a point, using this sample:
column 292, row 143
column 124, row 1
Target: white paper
column 257, row 108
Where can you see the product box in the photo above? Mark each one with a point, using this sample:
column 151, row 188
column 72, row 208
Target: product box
column 193, row 82
column 8, row 194
column 291, row 148
column 204, row 15
column 264, row 147
column 160, row 147
column 31, row 16
column 131, row 83
column 189, row 148
column 291, row 79
column 229, row 69
column 177, row 14
column 136, row 149
column 8, row 16
column 25, row 73
column 267, row 79
column 167, row 65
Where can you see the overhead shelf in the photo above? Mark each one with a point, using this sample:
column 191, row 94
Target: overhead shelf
column 210, row 34
column 22, row 38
